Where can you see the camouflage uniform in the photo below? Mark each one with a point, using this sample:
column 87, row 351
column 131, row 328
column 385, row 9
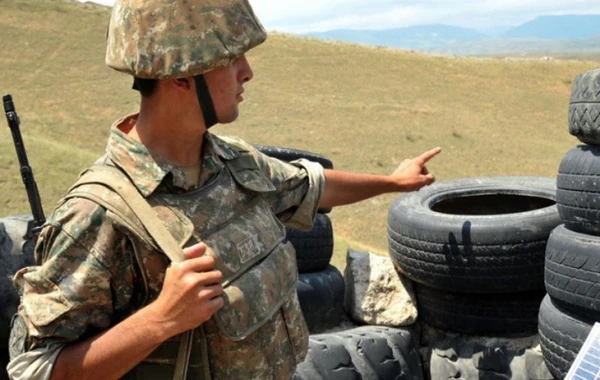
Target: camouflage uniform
column 95, row 272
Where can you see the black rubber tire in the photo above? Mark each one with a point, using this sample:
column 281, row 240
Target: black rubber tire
column 562, row 334
column 508, row 315
column 475, row 235
column 572, row 270
column 289, row 154
column 314, row 248
column 577, row 190
column 321, row 296
column 584, row 108
column 365, row 353
column 15, row 253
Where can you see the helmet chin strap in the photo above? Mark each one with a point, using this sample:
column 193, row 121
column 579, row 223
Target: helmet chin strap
column 206, row 103
column 204, row 99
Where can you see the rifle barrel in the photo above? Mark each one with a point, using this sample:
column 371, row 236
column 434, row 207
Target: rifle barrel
column 26, row 172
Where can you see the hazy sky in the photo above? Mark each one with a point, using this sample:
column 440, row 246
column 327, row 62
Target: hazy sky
column 298, row 16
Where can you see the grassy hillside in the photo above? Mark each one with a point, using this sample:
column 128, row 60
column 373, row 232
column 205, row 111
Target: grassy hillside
column 365, row 108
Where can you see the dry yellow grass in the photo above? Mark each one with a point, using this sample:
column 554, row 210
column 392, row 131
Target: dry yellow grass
column 365, row 108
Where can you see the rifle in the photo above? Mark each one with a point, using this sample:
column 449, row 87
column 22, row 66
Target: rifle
column 34, row 226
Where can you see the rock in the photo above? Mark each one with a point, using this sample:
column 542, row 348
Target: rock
column 376, row 294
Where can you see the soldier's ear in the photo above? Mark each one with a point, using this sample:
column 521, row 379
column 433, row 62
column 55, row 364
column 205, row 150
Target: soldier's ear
column 180, row 84
column 183, row 82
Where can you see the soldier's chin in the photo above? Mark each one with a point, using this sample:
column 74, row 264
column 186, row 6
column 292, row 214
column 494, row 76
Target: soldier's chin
column 230, row 117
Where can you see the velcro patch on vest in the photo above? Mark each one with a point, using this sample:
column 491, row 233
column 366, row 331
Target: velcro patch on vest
column 247, row 249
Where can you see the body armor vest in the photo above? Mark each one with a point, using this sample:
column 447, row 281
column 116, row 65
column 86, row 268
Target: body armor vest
column 260, row 332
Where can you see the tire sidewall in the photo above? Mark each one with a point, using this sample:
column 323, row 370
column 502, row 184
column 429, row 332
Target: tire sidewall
column 412, row 215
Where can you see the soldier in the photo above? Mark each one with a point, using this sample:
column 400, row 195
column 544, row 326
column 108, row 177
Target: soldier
column 105, row 302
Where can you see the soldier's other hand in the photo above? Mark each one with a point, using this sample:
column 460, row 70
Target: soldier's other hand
column 412, row 173
column 191, row 293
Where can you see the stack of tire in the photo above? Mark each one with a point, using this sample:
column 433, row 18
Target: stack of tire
column 320, row 285
column 572, row 270
column 474, row 249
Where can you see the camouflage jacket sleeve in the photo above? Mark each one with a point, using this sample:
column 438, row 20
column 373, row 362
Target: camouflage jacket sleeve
column 299, row 185
column 82, row 274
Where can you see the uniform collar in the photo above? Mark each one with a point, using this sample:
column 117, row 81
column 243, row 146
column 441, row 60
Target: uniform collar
column 220, row 147
column 147, row 169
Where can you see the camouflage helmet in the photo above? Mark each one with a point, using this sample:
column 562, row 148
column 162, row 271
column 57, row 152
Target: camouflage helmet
column 165, row 39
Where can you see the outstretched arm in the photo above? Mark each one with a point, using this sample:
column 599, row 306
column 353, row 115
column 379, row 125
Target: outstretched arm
column 342, row 188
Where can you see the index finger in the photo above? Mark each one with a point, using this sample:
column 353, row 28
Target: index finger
column 429, row 155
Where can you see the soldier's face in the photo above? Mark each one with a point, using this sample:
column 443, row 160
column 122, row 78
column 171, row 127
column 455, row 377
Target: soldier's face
column 226, row 86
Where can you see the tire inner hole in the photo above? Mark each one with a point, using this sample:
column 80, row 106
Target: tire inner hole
column 491, row 204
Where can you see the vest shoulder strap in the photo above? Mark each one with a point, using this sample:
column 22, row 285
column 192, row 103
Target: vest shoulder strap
column 133, row 208
column 112, row 202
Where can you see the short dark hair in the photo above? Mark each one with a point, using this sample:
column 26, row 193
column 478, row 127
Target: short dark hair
column 145, row 86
